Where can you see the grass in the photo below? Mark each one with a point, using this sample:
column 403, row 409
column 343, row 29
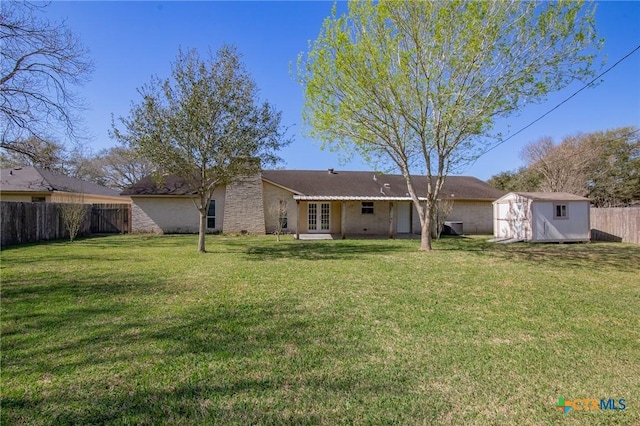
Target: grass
column 144, row 330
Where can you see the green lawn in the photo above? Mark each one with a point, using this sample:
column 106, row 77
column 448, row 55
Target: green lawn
column 144, row 330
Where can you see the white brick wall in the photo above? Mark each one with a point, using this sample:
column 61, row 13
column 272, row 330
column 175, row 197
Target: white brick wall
column 272, row 195
column 476, row 217
column 172, row 215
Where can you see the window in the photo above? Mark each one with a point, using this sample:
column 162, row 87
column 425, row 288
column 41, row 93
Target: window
column 282, row 214
column 367, row 207
column 38, row 199
column 211, row 215
column 560, row 211
column 324, row 216
column 313, row 216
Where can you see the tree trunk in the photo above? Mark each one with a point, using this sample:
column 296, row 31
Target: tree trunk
column 202, row 231
column 425, row 235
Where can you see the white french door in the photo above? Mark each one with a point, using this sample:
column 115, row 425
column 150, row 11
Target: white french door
column 319, row 215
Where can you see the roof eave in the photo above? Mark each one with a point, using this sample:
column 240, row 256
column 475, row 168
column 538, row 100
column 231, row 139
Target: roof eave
column 159, row 195
column 25, row 191
column 374, row 198
column 281, row 186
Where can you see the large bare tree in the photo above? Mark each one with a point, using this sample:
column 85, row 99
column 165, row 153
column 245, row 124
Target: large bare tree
column 37, row 152
column 604, row 165
column 40, row 64
column 418, row 85
column 564, row 167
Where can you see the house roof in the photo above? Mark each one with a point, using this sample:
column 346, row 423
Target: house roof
column 315, row 184
column 33, row 179
column 170, row 185
column 338, row 185
column 547, row 196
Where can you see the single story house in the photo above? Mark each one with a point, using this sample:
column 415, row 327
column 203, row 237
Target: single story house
column 308, row 201
column 33, row 185
column 541, row 217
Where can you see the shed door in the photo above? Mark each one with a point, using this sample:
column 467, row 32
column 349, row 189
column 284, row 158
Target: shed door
column 518, row 220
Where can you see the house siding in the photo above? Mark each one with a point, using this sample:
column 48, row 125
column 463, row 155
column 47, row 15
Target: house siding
column 272, row 196
column 172, row 215
column 64, row 197
column 367, row 224
column 73, row 197
column 164, row 215
column 23, row 198
column 476, row 217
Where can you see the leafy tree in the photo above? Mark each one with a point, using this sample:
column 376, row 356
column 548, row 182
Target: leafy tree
column 614, row 179
column 40, row 62
column 603, row 166
column 418, row 84
column 203, row 124
column 502, row 180
column 523, row 180
column 564, row 167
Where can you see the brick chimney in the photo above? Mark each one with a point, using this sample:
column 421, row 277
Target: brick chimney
column 244, row 202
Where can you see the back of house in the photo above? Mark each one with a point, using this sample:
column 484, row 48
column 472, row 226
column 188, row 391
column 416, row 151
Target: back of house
column 308, row 202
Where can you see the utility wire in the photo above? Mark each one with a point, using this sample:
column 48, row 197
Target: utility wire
column 561, row 103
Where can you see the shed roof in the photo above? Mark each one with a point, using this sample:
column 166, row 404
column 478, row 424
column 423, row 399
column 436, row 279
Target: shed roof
column 547, row 196
column 33, row 179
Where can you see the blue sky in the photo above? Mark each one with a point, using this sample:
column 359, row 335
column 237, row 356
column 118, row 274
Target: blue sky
column 131, row 41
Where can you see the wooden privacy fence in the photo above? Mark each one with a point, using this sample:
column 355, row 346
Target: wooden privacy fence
column 32, row 222
column 616, row 224
column 110, row 218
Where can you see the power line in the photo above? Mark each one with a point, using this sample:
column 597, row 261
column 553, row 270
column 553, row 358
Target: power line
column 564, row 101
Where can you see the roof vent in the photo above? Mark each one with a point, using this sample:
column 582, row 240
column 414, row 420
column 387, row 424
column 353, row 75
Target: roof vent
column 331, row 172
column 387, row 185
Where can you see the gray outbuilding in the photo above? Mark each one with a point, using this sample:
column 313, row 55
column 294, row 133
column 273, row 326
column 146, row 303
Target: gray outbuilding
column 541, row 217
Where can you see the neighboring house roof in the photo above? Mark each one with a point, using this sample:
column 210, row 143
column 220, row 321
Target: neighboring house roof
column 338, row 185
column 547, row 196
column 33, row 179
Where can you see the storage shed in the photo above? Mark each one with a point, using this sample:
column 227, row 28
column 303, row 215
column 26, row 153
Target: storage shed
column 541, row 217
